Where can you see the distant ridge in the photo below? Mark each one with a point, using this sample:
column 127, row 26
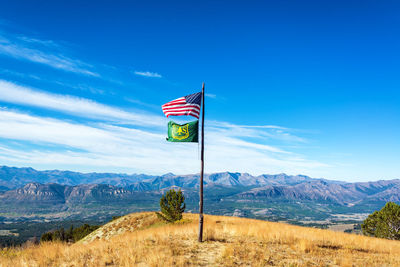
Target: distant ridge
column 13, row 177
column 58, row 187
column 54, row 194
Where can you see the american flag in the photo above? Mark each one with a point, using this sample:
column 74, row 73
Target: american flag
column 187, row 105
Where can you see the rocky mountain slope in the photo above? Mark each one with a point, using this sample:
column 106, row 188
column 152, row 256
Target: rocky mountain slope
column 11, row 177
column 64, row 194
column 70, row 187
column 323, row 191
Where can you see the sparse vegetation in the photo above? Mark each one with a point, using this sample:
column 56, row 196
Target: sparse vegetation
column 384, row 223
column 115, row 217
column 172, row 205
column 229, row 241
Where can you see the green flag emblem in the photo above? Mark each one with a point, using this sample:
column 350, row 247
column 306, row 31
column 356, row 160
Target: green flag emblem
column 188, row 132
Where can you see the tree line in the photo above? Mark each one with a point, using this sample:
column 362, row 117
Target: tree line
column 70, row 235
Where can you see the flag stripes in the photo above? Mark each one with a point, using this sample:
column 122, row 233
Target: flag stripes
column 187, row 105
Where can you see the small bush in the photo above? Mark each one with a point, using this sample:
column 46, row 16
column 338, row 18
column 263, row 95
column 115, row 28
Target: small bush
column 172, row 206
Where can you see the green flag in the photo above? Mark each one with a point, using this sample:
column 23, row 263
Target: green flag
column 188, row 132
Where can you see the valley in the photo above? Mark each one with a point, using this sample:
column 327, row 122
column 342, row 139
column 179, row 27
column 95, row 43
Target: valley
column 51, row 198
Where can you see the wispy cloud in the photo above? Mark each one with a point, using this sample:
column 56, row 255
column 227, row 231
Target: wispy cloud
column 148, row 74
column 42, row 52
column 79, row 86
column 16, row 94
column 47, row 43
column 211, row 95
column 141, row 103
column 19, row 74
column 104, row 145
column 103, row 137
column 256, row 131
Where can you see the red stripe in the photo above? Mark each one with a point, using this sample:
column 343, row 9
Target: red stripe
column 181, row 105
column 181, row 109
column 173, row 104
column 176, row 101
column 181, row 113
column 189, row 107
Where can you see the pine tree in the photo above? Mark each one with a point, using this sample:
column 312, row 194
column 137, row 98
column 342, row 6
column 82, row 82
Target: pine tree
column 172, row 206
column 62, row 234
column 384, row 223
column 70, row 234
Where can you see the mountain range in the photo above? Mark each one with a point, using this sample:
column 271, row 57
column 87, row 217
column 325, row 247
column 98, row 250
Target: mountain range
column 12, row 178
column 30, row 185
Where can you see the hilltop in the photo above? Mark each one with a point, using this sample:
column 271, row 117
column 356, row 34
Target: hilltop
column 61, row 198
column 140, row 239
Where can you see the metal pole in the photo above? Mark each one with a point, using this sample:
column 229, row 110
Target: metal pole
column 201, row 219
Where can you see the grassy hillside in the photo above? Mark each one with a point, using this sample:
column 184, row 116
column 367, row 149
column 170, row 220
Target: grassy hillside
column 140, row 239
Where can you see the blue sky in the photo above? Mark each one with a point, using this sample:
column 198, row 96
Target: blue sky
column 301, row 87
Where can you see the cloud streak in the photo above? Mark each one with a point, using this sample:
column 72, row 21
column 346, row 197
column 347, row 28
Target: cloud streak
column 107, row 138
column 41, row 52
column 111, row 147
column 148, row 74
column 16, row 94
column 211, row 95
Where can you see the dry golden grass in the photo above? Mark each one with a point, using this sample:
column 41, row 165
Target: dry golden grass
column 229, row 241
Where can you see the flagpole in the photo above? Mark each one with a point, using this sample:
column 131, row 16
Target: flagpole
column 201, row 219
